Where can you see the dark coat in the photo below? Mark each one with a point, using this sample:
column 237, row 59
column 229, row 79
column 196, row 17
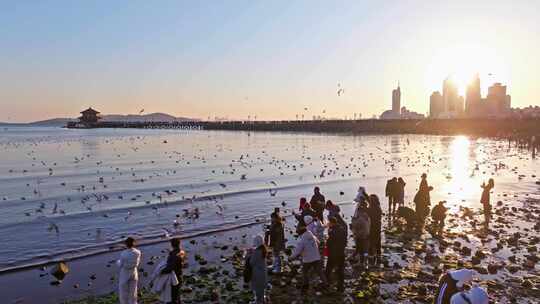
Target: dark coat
column 438, row 213
column 276, row 236
column 337, row 241
column 390, row 188
column 317, row 203
column 174, row 263
column 375, row 215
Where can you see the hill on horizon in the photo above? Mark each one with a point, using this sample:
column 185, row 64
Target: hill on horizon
column 151, row 117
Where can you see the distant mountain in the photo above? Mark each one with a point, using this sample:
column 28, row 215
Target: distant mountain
column 55, row 122
column 161, row 117
column 154, row 117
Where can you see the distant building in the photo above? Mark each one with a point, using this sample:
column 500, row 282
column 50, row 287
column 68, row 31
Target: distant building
column 89, row 116
column 436, row 105
column 473, row 98
column 406, row 114
column 398, row 112
column 498, row 103
column 396, row 101
column 453, row 103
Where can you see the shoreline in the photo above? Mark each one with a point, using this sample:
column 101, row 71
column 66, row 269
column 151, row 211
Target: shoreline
column 412, row 264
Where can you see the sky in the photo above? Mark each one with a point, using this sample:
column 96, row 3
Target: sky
column 269, row 59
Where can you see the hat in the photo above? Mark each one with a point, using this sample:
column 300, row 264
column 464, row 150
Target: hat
column 308, row 219
column 462, row 276
column 258, row 241
column 477, row 295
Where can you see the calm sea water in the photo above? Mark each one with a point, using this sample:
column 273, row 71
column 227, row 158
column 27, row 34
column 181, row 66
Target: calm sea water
column 66, row 193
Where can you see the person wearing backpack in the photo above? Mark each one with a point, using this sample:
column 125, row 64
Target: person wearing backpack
column 255, row 269
column 360, row 226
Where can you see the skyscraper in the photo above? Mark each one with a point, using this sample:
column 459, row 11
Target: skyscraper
column 473, row 98
column 497, row 101
column 450, row 95
column 436, row 106
column 396, row 101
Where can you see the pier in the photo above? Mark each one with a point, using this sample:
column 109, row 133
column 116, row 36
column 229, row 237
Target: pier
column 473, row 127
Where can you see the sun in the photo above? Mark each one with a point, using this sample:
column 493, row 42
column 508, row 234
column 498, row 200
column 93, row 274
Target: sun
column 462, row 62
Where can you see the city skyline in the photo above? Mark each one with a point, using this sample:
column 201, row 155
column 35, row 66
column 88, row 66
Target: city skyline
column 269, row 60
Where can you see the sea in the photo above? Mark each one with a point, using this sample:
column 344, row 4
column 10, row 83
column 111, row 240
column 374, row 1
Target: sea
column 72, row 193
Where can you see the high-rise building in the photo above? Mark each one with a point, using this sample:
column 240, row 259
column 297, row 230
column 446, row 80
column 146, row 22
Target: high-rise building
column 436, row 105
column 450, row 96
column 498, row 103
column 473, row 98
column 396, row 101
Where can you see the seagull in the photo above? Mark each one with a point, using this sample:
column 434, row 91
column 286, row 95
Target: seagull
column 141, row 111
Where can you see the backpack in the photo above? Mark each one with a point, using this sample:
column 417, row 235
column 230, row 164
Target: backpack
column 248, row 271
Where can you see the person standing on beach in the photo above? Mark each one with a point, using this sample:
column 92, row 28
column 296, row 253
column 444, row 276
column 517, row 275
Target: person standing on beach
column 336, row 244
column 360, row 226
column 128, row 279
column 308, row 249
column 174, row 263
column 333, row 209
column 256, row 259
column 422, row 200
column 485, row 199
column 375, row 216
column 317, row 202
column 303, row 202
column 275, row 239
column 391, row 193
column 400, row 192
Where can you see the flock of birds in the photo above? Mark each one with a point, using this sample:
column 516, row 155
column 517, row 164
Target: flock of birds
column 128, row 176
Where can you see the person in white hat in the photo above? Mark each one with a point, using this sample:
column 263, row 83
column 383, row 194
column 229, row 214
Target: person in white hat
column 451, row 283
column 477, row 295
column 315, row 226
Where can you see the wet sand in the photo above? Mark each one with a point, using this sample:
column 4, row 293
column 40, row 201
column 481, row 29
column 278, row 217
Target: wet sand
column 505, row 261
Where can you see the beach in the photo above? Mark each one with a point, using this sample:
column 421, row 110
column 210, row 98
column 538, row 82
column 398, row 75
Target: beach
column 74, row 195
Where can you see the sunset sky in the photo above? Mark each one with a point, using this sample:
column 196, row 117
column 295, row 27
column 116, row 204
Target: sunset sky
column 266, row 58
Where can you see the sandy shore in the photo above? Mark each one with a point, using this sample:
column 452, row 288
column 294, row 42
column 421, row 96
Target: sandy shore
column 505, row 256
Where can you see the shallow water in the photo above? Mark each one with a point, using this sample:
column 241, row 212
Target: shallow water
column 110, row 183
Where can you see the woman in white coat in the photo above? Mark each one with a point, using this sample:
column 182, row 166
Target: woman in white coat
column 129, row 260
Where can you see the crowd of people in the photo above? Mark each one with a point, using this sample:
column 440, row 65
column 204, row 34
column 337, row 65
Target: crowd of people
column 319, row 239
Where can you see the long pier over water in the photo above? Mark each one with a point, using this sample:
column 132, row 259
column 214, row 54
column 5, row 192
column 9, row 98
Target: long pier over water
column 478, row 127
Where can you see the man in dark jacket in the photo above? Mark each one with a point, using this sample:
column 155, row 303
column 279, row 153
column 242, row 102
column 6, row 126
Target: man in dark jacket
column 275, row 239
column 391, row 193
column 317, row 202
column 336, row 243
column 174, row 263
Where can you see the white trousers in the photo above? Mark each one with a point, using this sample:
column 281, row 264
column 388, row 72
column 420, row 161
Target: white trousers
column 128, row 292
